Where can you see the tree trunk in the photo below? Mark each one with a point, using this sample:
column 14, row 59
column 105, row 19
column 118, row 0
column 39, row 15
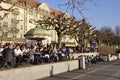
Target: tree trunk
column 77, row 41
column 59, row 40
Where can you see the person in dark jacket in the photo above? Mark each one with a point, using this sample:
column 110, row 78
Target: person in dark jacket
column 8, row 54
column 67, row 52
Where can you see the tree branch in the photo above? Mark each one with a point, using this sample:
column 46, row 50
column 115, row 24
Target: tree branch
column 4, row 9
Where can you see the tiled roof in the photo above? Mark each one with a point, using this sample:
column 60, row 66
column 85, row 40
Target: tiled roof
column 53, row 11
column 33, row 3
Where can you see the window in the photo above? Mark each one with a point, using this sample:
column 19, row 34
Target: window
column 15, row 11
column 5, row 34
column 35, row 15
column 6, row 15
column 14, row 17
column 14, row 36
column 47, row 12
column 30, row 12
column 42, row 10
column 14, row 26
column 21, row 27
column 29, row 6
column 20, row 35
column 5, row 24
column 1, row 33
column 30, row 21
column 14, row 20
column 0, row 24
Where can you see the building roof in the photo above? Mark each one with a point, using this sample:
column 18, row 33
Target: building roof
column 54, row 11
column 35, row 4
column 37, row 33
column 32, row 3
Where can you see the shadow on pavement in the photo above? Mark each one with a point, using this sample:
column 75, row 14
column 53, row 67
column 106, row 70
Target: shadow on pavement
column 96, row 74
column 64, row 78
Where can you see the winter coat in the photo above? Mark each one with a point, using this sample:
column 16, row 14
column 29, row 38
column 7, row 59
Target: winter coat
column 8, row 54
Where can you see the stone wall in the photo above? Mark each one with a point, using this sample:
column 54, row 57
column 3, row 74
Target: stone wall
column 38, row 71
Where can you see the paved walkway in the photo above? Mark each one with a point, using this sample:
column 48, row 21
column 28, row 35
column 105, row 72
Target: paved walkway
column 99, row 71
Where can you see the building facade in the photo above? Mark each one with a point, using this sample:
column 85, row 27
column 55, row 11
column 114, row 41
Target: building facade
column 21, row 19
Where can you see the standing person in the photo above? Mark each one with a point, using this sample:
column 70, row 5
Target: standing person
column 71, row 53
column 8, row 54
column 67, row 52
column 37, row 56
column 55, row 54
column 32, row 52
column 18, row 55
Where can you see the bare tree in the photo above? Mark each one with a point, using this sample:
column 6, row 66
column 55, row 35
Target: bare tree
column 117, row 36
column 62, row 24
column 108, row 35
column 105, row 50
column 75, row 5
column 7, row 1
column 106, row 40
column 12, row 2
column 117, row 30
column 82, row 32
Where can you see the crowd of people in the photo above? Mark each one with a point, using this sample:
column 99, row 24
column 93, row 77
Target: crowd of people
column 83, row 49
column 91, row 59
column 14, row 55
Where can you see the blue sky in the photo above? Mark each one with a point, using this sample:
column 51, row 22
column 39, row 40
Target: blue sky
column 106, row 13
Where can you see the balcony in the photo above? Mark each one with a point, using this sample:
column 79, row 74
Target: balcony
column 14, row 30
column 5, row 24
column 15, row 12
column 14, row 20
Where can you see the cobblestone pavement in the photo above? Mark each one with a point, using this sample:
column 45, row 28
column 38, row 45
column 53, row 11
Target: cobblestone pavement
column 99, row 71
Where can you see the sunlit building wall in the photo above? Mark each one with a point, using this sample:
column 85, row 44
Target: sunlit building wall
column 21, row 19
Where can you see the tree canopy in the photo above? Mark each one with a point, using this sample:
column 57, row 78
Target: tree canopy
column 61, row 23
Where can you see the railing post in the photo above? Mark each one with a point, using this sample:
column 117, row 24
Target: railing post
column 108, row 57
column 81, row 63
column 118, row 56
